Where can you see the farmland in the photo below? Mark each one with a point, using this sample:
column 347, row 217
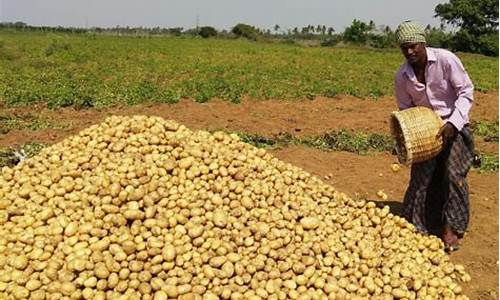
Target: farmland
column 322, row 109
column 99, row 71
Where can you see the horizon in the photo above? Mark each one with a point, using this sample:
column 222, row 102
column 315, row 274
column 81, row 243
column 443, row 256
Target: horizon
column 221, row 14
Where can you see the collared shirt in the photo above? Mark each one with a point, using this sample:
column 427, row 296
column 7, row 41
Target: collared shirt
column 448, row 89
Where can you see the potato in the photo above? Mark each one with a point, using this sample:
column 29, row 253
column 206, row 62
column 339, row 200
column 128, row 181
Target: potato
column 310, row 222
column 141, row 207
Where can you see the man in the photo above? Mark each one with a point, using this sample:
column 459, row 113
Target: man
column 437, row 199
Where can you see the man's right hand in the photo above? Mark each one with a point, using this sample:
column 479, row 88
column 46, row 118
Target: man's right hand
column 448, row 132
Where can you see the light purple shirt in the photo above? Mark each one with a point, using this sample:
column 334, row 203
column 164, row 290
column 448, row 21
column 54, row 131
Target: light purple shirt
column 448, row 89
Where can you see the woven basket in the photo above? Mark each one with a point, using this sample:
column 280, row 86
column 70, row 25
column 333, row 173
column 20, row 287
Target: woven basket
column 415, row 131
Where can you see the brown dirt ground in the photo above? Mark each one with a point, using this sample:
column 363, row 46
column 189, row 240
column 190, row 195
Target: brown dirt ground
column 356, row 175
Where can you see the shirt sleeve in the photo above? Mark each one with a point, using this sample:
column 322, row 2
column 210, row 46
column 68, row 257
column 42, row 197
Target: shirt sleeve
column 402, row 97
column 464, row 89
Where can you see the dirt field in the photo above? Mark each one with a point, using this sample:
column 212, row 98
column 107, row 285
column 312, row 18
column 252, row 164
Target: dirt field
column 359, row 176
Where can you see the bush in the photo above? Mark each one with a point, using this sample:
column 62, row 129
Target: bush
column 357, row 32
column 331, row 41
column 207, row 31
column 381, row 41
column 488, row 44
column 438, row 38
column 246, row 31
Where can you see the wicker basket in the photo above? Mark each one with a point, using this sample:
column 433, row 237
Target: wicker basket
column 415, row 131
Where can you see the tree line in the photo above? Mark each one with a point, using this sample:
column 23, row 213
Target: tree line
column 474, row 24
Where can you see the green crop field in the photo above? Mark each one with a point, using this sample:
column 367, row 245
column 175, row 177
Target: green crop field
column 98, row 70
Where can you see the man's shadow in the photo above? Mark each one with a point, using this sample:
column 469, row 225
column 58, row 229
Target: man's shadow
column 396, row 208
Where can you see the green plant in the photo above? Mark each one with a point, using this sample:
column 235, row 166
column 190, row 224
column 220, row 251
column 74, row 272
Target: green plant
column 207, row 31
column 339, row 140
column 257, row 140
column 100, row 71
column 57, row 44
column 10, row 156
column 477, row 21
column 345, row 140
column 357, row 32
column 26, row 121
column 485, row 129
column 246, row 31
column 489, row 163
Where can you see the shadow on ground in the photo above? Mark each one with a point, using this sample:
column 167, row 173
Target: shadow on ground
column 395, row 206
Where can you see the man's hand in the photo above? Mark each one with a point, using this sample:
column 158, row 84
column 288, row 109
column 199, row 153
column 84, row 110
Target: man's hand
column 448, row 132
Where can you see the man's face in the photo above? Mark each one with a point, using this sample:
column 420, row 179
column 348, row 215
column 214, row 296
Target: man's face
column 414, row 52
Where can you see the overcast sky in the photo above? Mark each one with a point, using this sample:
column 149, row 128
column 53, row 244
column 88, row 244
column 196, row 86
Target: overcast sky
column 221, row 14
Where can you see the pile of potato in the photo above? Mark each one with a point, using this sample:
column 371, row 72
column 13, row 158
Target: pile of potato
column 143, row 208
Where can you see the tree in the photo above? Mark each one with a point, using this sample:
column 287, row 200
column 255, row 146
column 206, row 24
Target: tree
column 276, row 28
column 207, row 31
column 246, row 31
column 177, row 31
column 478, row 23
column 371, row 25
column 357, row 32
column 475, row 16
column 437, row 37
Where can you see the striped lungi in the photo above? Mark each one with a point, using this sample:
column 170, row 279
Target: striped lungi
column 438, row 192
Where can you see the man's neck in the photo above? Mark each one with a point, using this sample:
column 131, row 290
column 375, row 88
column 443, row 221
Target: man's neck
column 420, row 65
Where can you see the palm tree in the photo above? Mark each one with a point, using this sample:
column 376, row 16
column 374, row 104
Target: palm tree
column 276, row 28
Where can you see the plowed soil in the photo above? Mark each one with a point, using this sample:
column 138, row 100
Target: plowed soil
column 357, row 175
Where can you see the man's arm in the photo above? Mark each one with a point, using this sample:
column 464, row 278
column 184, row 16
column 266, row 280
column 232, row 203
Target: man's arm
column 464, row 91
column 402, row 97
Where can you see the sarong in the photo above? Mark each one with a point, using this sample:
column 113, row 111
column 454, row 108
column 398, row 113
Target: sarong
column 438, row 192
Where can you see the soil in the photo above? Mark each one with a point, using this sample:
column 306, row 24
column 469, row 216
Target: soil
column 360, row 176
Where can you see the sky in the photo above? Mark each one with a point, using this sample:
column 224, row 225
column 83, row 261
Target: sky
column 221, row 14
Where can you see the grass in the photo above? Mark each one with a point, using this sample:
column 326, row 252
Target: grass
column 26, row 121
column 489, row 162
column 357, row 142
column 338, row 140
column 99, row 71
column 486, row 129
column 267, row 143
column 345, row 140
column 10, row 157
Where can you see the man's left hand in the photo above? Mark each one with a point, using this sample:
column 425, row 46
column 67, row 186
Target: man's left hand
column 448, row 132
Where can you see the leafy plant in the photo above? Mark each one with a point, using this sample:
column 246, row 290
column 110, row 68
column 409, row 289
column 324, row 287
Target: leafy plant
column 487, row 130
column 98, row 71
column 10, row 156
column 345, row 140
column 257, row 140
column 338, row 140
column 27, row 121
column 207, row 31
column 477, row 21
column 57, row 44
column 246, row 31
column 489, row 163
